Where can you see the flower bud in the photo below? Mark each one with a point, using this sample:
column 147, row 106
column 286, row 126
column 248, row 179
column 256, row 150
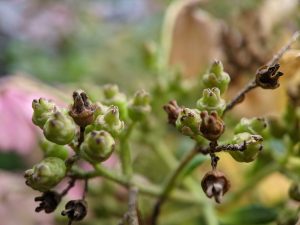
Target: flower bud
column 188, row 121
column 110, row 121
column 82, row 111
column 139, row 106
column 75, row 210
column 253, row 147
column 46, row 174
column 60, row 128
column 215, row 184
column 267, row 76
column 216, row 77
column 97, row 146
column 173, row 111
column 212, row 126
column 114, row 97
column 294, row 192
column 211, row 101
column 253, row 126
column 100, row 109
column 48, row 201
column 42, row 110
column 51, row 149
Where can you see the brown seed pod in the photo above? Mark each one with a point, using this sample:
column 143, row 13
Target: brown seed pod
column 212, row 126
column 267, row 77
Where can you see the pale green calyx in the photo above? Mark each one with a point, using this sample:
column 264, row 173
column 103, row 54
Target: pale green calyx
column 216, row 77
column 254, row 125
column 110, row 121
column 51, row 149
column 46, row 174
column 60, row 128
column 112, row 96
column 253, row 147
column 211, row 101
column 188, row 122
column 100, row 109
column 139, row 106
column 42, row 110
column 97, row 146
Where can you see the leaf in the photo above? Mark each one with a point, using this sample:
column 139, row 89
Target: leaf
column 250, row 215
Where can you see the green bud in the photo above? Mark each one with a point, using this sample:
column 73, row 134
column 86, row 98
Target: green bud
column 216, row 77
column 60, row 128
column 211, row 101
column 51, row 149
column 188, row 122
column 100, row 109
column 97, row 146
column 114, row 97
column 42, row 110
column 253, row 147
column 139, row 106
column 294, row 192
column 46, row 174
column 287, row 216
column 110, row 121
column 253, row 126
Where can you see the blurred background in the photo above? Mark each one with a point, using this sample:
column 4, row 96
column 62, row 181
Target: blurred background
column 49, row 48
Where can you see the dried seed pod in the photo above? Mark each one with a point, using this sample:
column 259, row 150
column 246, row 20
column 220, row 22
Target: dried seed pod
column 212, row 126
column 75, row 210
column 173, row 111
column 267, row 77
column 215, row 184
column 82, row 111
column 48, row 201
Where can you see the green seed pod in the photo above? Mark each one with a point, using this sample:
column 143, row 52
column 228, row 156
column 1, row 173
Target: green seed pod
column 97, row 146
column 60, row 128
column 211, row 101
column 216, row 77
column 51, row 149
column 253, row 126
column 110, row 121
column 253, row 147
column 294, row 192
column 114, row 97
column 42, row 110
column 188, row 122
column 46, row 174
column 139, row 106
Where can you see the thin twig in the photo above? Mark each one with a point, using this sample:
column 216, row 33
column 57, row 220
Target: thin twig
column 86, row 187
column 131, row 216
column 68, row 188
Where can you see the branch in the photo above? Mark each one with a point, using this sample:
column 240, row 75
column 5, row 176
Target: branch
column 131, row 216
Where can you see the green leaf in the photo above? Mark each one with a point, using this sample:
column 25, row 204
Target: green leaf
column 250, row 215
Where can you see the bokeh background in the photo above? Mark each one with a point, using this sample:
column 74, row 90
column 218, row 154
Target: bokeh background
column 49, row 48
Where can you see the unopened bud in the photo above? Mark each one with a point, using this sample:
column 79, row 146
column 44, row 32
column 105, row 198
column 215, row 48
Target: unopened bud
column 42, row 110
column 139, row 106
column 253, row 126
column 46, row 174
column 173, row 111
column 212, row 126
column 51, row 149
column 188, row 122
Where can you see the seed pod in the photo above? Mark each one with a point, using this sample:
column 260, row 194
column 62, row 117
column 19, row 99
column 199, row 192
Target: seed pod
column 294, row 192
column 216, row 77
column 173, row 111
column 212, row 126
column 215, row 184
column 211, row 101
column 253, row 126
column 60, row 128
column 82, row 111
column 42, row 110
column 267, row 77
column 112, row 96
column 97, row 146
column 48, row 201
column 110, row 121
column 51, row 149
column 253, row 147
column 139, row 106
column 46, row 174
column 75, row 210
column 188, row 122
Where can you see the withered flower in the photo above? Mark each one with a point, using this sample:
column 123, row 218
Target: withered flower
column 173, row 110
column 212, row 126
column 48, row 201
column 267, row 76
column 215, row 184
column 75, row 210
column 82, row 111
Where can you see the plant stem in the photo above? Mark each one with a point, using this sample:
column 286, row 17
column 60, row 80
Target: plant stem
column 125, row 153
column 170, row 185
